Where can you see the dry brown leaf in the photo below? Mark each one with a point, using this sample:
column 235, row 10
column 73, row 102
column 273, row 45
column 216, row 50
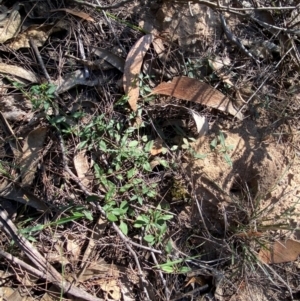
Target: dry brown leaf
column 29, row 158
column 39, row 34
column 82, row 167
column 5, row 292
column 280, row 251
column 132, row 69
column 16, row 71
column 193, row 90
column 111, row 287
column 157, row 147
column 10, row 26
column 158, row 44
column 73, row 247
column 79, row 14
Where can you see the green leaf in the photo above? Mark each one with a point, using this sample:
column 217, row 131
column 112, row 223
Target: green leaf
column 222, row 138
column 88, row 214
column 124, row 228
column 185, row 146
column 213, row 144
column 169, row 247
column 166, row 217
column 131, row 173
column 185, row 141
column 148, row 146
column 124, row 205
column 51, row 89
column 92, row 198
column 147, row 166
column 164, row 163
column 174, row 147
column 167, row 269
column 184, row 270
column 64, row 220
column 133, row 143
column 38, row 227
column 111, row 217
column 227, row 159
column 102, row 146
column 118, row 211
column 149, row 238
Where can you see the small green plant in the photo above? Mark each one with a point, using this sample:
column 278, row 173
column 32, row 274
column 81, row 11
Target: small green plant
column 154, row 224
column 41, row 96
column 218, row 144
column 175, row 266
column 187, row 146
column 76, row 213
column 116, row 213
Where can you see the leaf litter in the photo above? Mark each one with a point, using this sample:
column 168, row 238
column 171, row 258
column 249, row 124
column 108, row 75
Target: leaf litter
column 49, row 183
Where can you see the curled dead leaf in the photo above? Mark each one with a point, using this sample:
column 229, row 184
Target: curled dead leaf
column 132, row 69
column 82, row 167
column 39, row 34
column 196, row 91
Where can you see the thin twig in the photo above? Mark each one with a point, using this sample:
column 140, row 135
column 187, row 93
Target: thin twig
column 86, row 3
column 167, row 291
column 82, row 53
column 45, row 270
column 235, row 40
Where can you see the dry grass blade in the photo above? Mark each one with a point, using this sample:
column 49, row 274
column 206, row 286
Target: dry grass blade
column 132, row 69
column 79, row 14
column 193, row 90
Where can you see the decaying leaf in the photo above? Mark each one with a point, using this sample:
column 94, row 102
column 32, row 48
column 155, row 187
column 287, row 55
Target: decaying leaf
column 157, row 147
column 38, row 33
column 132, row 69
column 111, row 287
column 193, row 90
column 16, row 71
column 99, row 268
column 5, row 292
column 217, row 65
column 29, row 159
column 79, row 14
column 108, row 56
column 280, row 251
column 158, row 44
column 73, row 248
column 10, row 26
column 82, row 167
